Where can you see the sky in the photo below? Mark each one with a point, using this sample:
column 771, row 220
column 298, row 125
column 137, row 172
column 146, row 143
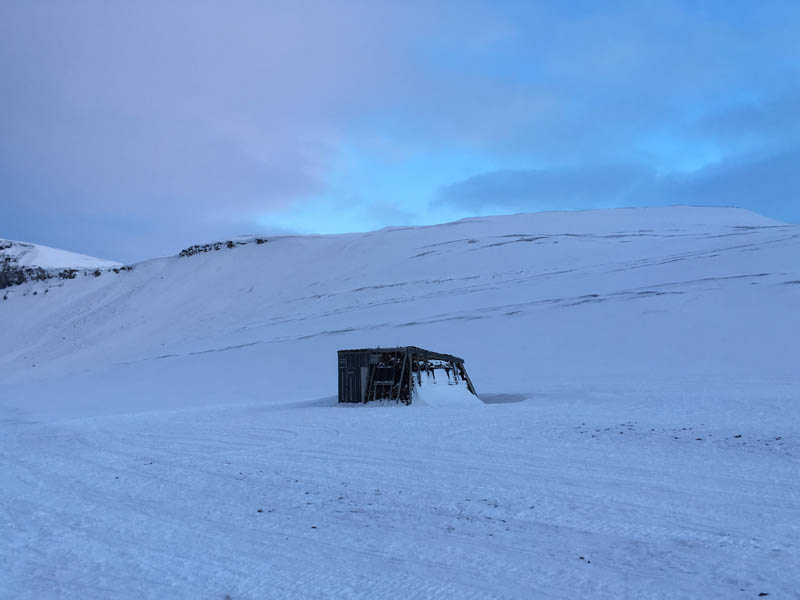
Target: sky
column 130, row 130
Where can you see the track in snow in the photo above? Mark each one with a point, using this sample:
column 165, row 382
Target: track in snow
column 498, row 500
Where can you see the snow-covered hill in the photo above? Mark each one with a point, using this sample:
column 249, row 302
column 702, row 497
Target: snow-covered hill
column 21, row 262
column 36, row 255
column 171, row 430
column 524, row 299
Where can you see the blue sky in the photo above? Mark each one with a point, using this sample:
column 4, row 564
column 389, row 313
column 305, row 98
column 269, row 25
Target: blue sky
column 130, row 130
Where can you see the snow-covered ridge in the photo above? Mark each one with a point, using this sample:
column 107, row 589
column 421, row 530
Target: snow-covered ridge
column 214, row 246
column 35, row 255
column 22, row 261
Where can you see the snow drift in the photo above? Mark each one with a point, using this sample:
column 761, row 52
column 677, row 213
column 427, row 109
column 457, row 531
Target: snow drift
column 443, row 391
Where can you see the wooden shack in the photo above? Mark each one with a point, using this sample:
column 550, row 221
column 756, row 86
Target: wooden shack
column 370, row 374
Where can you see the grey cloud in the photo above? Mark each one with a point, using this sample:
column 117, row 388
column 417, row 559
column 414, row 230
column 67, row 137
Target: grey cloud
column 177, row 114
column 770, row 185
column 138, row 119
column 771, row 122
column 545, row 189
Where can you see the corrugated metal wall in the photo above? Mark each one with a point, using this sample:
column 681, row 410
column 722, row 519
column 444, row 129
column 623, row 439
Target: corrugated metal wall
column 353, row 368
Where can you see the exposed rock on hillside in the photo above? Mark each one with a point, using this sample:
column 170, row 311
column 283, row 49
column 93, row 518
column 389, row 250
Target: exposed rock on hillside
column 18, row 264
column 213, row 247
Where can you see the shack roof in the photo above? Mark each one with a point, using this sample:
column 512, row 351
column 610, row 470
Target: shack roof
column 413, row 349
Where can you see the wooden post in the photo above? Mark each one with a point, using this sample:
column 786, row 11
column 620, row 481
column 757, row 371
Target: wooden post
column 469, row 381
column 371, row 388
column 402, row 375
column 410, row 376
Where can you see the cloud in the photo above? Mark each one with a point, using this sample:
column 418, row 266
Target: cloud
column 768, row 123
column 770, row 185
column 126, row 128
column 543, row 189
column 187, row 114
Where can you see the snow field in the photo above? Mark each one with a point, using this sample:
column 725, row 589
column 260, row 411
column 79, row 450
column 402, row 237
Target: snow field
column 638, row 437
column 608, row 498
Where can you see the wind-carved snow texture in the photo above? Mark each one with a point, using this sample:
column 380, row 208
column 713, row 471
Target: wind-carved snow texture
column 173, row 431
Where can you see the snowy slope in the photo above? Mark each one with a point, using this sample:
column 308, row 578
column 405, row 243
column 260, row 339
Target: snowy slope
column 524, row 299
column 36, row 255
column 21, row 262
column 640, row 434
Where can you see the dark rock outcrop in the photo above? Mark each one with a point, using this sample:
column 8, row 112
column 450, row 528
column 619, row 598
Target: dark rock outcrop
column 213, row 247
column 12, row 273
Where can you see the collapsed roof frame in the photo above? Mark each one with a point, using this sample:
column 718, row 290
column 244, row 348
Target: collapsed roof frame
column 370, row 374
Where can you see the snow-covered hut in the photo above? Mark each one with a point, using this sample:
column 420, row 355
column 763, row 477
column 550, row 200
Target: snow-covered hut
column 398, row 374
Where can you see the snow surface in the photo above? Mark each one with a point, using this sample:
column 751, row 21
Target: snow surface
column 439, row 389
column 639, row 436
column 36, row 255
